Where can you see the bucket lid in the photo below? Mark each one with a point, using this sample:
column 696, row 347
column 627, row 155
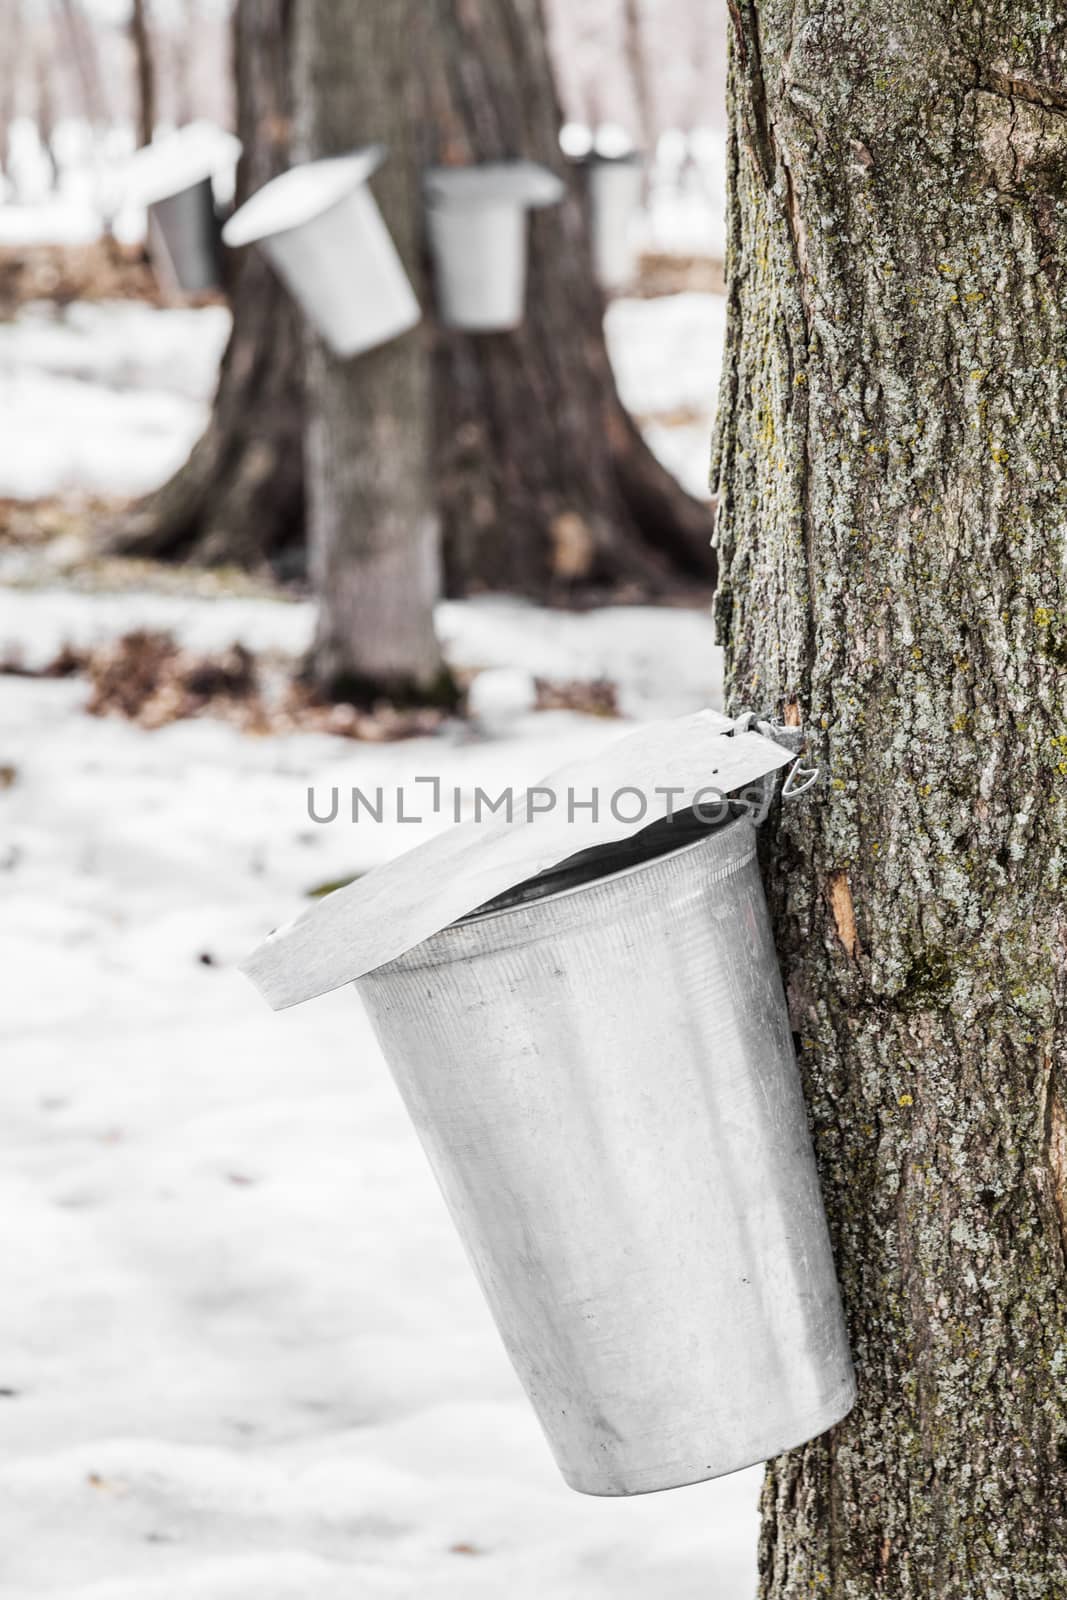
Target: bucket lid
column 302, row 193
column 380, row 916
column 494, row 183
column 178, row 161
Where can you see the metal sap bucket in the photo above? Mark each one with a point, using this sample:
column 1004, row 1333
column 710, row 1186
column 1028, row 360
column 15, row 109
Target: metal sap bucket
column 328, row 242
column 183, row 239
column 172, row 178
column 600, row 1068
column 614, row 200
column 476, row 219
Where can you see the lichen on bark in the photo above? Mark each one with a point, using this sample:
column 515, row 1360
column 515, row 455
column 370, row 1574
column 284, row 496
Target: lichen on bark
column 891, row 537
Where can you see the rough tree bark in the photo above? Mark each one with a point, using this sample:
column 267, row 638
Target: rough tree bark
column 240, row 496
column 374, row 550
column 891, row 536
column 542, row 480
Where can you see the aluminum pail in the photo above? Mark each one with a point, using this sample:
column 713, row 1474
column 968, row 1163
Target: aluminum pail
column 614, row 201
column 600, row 1067
column 480, row 253
column 184, row 240
column 477, row 230
column 326, row 238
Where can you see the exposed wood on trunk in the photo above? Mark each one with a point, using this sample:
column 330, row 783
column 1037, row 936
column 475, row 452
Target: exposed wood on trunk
column 892, row 542
column 844, row 913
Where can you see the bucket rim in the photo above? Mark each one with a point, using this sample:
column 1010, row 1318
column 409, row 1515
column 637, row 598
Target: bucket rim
column 336, row 177
column 597, row 158
column 734, row 841
column 404, row 901
column 492, row 185
column 714, row 834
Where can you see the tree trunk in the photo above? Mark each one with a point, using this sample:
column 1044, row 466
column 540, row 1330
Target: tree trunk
column 141, row 39
column 891, row 540
column 45, row 106
column 633, row 34
column 542, row 480
column 81, row 44
column 373, row 535
column 183, row 38
column 240, row 496
column 12, row 23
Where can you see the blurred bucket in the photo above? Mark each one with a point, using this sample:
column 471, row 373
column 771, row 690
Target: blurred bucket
column 183, row 239
column 614, row 200
column 322, row 230
column 173, row 178
column 476, row 217
column 599, row 1064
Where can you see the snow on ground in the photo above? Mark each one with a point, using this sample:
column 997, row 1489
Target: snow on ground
column 663, row 661
column 105, row 399
column 62, row 219
column 667, row 351
column 686, row 211
column 108, row 398
column 667, row 354
column 244, row 1357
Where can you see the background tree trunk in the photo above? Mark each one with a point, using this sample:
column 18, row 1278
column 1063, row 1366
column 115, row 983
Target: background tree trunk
column 240, row 496
column 182, row 58
column 373, row 534
column 144, row 63
column 81, row 46
column 42, row 69
column 891, row 534
column 633, row 34
column 12, row 23
column 542, row 479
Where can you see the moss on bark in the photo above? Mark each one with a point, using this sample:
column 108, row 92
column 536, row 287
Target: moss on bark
column 891, row 538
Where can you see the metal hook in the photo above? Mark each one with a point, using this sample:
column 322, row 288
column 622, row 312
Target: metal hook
column 799, row 779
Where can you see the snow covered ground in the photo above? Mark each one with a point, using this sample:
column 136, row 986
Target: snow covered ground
column 108, row 398
column 667, row 353
column 243, row 1355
